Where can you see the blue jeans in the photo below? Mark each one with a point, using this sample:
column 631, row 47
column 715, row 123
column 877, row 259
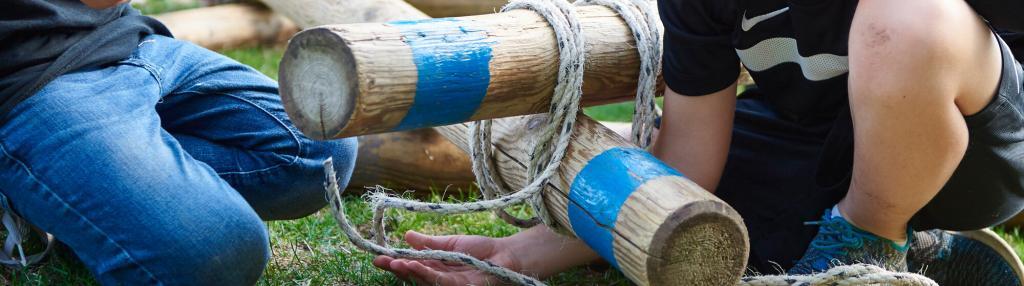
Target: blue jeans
column 159, row 169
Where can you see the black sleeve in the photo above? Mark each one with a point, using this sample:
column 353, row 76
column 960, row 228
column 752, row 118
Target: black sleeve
column 699, row 58
column 1003, row 14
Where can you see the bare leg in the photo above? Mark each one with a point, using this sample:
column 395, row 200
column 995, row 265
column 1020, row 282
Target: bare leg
column 917, row 67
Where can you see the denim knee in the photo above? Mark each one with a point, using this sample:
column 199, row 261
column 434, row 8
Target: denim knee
column 231, row 253
column 298, row 190
column 344, row 153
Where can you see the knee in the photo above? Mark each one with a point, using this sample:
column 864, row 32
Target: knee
column 344, row 154
column 909, row 26
column 895, row 47
column 344, row 151
column 304, row 193
column 234, row 252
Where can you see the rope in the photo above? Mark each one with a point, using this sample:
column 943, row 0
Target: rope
column 546, row 155
column 856, row 274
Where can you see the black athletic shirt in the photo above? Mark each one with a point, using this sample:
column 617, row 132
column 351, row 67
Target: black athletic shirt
column 43, row 39
column 796, row 50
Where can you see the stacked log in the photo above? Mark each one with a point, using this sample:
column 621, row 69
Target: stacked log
column 455, row 8
column 642, row 216
column 228, row 26
column 310, row 13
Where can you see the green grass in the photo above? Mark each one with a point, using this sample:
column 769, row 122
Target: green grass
column 160, row 6
column 312, row 250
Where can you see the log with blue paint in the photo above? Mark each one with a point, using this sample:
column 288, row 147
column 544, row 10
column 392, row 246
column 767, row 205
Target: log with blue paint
column 640, row 215
column 355, row 79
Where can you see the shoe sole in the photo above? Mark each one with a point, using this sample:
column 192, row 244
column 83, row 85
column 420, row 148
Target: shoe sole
column 997, row 243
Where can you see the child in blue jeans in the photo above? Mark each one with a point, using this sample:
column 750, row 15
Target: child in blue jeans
column 154, row 160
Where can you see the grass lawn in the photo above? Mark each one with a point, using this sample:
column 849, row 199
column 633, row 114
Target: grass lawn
column 313, row 251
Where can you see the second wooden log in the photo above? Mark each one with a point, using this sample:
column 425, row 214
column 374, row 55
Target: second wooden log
column 420, row 160
column 639, row 214
column 310, row 13
column 455, row 8
column 228, row 26
column 354, row 79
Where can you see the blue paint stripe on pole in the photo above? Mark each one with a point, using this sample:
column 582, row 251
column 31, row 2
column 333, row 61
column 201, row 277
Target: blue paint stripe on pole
column 600, row 189
column 453, row 62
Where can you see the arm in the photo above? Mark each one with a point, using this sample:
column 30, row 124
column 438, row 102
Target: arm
column 695, row 134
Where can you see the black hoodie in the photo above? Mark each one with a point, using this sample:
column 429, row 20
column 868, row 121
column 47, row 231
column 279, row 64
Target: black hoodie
column 43, row 39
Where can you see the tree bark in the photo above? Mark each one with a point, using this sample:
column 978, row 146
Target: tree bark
column 455, row 8
column 355, row 79
column 228, row 26
column 311, row 13
column 420, row 160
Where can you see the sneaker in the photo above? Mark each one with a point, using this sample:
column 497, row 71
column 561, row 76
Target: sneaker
column 965, row 258
column 840, row 243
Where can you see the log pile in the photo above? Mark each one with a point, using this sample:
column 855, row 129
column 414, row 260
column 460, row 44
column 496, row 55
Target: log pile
column 648, row 220
column 455, row 8
column 229, row 26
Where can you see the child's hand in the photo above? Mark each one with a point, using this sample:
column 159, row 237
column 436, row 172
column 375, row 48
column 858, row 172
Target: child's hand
column 431, row 272
column 536, row 251
column 103, row 4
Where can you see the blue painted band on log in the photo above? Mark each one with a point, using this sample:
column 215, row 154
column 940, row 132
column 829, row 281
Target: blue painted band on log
column 602, row 187
column 453, row 66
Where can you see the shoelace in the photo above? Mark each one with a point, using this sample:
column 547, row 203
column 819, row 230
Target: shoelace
column 13, row 254
column 844, row 237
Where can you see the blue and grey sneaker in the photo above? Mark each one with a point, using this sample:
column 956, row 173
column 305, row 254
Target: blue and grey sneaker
column 965, row 258
column 840, row 243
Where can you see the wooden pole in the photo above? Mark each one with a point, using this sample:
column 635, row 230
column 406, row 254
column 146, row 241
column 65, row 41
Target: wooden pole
column 455, row 8
column 419, row 160
column 1015, row 222
column 228, row 26
column 310, row 13
column 642, row 216
column 346, row 80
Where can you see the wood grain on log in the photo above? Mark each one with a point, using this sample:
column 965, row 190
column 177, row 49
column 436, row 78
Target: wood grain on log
column 228, row 26
column 419, row 160
column 310, row 13
column 454, row 8
column 354, row 79
column 667, row 231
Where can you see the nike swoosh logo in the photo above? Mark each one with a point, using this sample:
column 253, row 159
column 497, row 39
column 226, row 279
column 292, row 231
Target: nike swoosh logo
column 748, row 24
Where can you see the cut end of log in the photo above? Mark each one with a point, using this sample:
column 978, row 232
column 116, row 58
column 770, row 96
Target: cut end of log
column 318, row 83
column 707, row 241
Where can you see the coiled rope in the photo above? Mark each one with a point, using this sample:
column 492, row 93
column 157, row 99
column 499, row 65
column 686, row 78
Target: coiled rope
column 546, row 155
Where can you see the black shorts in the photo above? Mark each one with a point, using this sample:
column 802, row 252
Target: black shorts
column 781, row 173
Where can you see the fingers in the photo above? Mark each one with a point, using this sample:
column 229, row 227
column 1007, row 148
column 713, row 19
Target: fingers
column 382, row 262
column 428, row 276
column 395, row 266
column 420, row 241
column 411, row 270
